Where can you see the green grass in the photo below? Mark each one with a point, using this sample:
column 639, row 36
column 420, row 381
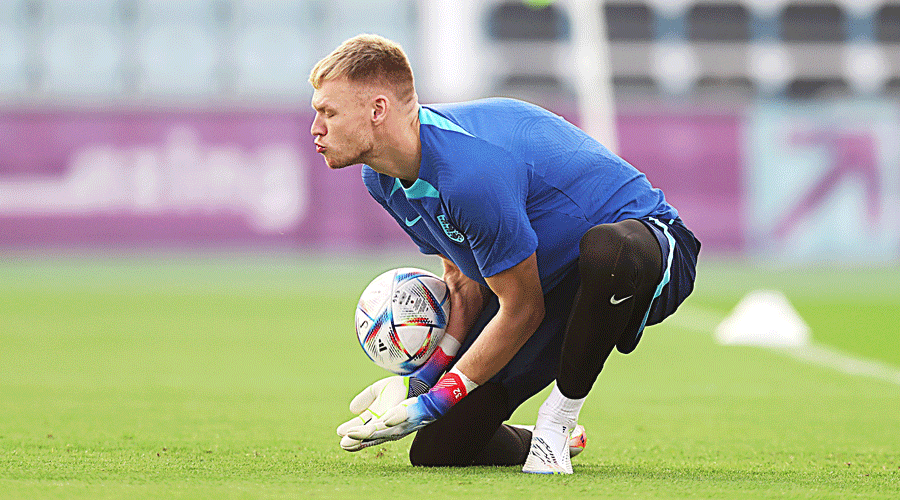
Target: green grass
column 224, row 377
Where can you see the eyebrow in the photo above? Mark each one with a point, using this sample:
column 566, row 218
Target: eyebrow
column 321, row 106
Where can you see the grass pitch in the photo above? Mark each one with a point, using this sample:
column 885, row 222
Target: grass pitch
column 224, row 377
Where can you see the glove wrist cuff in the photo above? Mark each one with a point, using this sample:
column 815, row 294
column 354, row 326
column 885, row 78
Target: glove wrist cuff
column 466, row 381
column 452, row 387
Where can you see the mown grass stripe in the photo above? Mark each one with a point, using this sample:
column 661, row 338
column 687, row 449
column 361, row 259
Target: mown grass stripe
column 705, row 320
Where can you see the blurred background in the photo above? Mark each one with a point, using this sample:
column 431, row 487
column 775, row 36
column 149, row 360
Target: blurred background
column 179, row 268
column 772, row 126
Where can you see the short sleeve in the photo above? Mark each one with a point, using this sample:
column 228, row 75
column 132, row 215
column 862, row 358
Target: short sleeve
column 489, row 208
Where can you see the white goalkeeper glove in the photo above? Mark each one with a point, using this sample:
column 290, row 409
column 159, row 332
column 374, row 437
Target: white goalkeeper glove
column 413, row 413
column 372, row 404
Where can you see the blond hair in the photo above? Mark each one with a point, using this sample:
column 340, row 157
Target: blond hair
column 368, row 59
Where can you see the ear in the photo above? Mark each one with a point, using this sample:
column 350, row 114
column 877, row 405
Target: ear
column 379, row 110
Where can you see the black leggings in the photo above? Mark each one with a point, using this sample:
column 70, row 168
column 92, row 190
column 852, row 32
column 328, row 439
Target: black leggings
column 620, row 267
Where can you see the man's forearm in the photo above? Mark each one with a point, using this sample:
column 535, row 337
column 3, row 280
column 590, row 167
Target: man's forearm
column 500, row 340
column 467, row 300
column 521, row 311
column 464, row 312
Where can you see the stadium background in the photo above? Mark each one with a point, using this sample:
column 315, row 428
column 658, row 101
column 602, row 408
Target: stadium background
column 772, row 126
column 178, row 268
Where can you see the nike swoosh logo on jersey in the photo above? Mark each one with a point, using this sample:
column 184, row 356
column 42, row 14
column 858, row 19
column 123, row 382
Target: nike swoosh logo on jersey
column 411, row 223
column 614, row 301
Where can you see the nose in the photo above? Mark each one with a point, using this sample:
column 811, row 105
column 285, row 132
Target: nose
column 317, row 128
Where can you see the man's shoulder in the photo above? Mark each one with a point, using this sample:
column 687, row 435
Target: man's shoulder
column 490, row 106
column 521, row 128
column 368, row 174
column 373, row 181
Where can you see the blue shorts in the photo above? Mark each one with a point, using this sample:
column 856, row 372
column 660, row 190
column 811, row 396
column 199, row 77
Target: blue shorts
column 536, row 364
column 679, row 273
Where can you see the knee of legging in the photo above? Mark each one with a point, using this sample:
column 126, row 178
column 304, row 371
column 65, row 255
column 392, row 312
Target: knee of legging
column 609, row 250
column 425, row 456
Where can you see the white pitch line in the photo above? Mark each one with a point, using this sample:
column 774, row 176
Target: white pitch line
column 706, row 320
column 842, row 362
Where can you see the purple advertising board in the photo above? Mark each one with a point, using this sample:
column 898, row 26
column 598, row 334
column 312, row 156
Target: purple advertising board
column 177, row 179
column 697, row 160
column 186, row 179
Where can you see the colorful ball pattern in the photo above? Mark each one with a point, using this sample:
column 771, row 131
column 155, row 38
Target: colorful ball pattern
column 401, row 317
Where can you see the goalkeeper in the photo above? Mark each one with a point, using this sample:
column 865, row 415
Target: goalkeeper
column 556, row 251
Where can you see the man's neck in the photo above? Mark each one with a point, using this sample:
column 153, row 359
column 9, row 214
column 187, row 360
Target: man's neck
column 402, row 154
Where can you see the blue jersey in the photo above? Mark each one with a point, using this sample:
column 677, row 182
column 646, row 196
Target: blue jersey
column 501, row 179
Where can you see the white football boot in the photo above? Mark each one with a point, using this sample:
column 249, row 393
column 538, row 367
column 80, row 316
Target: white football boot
column 577, row 439
column 549, row 453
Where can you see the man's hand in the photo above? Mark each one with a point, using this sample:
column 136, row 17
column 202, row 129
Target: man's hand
column 400, row 421
column 413, row 413
column 372, row 404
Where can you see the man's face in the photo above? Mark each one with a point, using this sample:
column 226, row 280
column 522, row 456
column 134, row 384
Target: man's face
column 342, row 127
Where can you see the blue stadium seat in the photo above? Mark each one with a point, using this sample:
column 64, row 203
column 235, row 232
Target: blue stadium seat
column 524, row 48
column 517, row 21
column 272, row 61
column 82, row 48
column 824, row 22
column 12, row 11
column 12, row 61
column 178, row 47
column 629, row 22
column 719, row 22
column 818, row 88
column 301, row 14
column 275, row 47
column 888, row 23
column 104, row 12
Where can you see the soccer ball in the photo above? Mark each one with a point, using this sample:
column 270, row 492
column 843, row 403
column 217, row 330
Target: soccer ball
column 401, row 317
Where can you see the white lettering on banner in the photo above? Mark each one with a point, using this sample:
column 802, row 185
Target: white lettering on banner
column 181, row 176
